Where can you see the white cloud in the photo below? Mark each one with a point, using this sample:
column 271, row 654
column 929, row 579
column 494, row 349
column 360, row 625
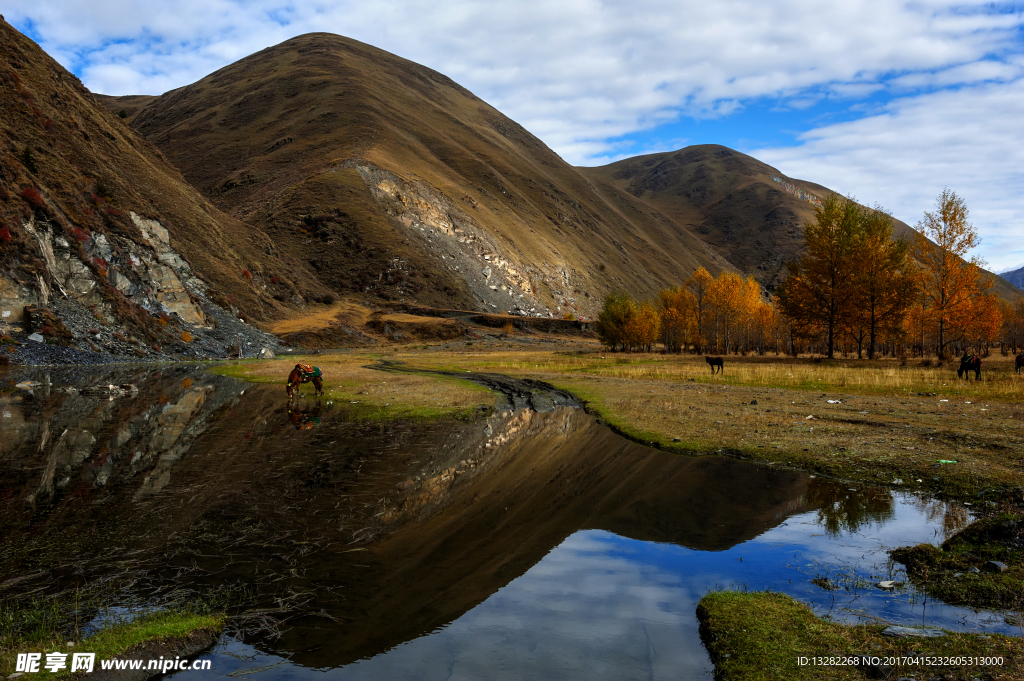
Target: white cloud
column 969, row 139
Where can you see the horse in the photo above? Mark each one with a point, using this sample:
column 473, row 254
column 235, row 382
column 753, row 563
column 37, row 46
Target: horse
column 305, row 373
column 972, row 363
column 1018, row 363
column 715, row 362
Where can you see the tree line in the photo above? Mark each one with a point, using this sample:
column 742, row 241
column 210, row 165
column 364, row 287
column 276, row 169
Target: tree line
column 855, row 287
column 707, row 314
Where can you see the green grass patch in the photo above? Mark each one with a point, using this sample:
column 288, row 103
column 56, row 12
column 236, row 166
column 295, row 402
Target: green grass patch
column 116, row 639
column 957, row 572
column 761, row 636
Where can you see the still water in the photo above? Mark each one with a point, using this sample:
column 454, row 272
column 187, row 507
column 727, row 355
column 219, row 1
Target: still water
column 522, row 545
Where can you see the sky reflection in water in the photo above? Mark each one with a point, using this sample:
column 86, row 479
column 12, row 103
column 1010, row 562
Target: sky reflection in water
column 603, row 606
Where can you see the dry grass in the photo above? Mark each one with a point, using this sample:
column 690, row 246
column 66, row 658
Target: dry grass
column 879, row 426
column 304, row 320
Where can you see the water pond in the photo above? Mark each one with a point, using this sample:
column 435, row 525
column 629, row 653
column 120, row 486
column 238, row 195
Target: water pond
column 520, row 545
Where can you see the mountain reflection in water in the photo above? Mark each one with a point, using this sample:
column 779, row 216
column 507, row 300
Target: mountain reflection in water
column 398, row 536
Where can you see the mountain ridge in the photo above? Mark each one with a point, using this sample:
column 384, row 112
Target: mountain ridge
column 446, row 176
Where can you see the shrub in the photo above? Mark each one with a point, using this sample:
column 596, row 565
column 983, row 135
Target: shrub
column 327, row 299
column 275, row 279
column 5, row 234
column 32, row 197
column 114, row 213
column 507, row 329
column 80, row 234
column 122, row 114
column 247, row 275
column 186, row 336
column 29, row 161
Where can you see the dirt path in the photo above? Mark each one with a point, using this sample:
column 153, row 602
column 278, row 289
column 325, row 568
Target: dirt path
column 517, row 393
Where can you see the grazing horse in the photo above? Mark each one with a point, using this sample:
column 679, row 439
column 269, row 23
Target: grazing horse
column 715, row 362
column 972, row 363
column 1018, row 362
column 305, row 373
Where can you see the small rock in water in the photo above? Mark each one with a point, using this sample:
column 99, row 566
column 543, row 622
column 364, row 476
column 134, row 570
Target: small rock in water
column 886, row 584
column 996, row 566
column 911, row 632
column 38, row 338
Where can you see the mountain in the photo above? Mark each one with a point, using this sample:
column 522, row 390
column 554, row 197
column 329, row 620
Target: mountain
column 1015, row 277
column 97, row 225
column 747, row 211
column 390, row 179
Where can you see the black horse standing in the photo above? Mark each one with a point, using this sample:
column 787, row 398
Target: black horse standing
column 971, row 363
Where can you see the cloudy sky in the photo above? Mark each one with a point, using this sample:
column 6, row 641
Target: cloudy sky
column 886, row 101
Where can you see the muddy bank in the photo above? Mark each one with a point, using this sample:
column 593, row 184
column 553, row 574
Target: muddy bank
column 514, row 393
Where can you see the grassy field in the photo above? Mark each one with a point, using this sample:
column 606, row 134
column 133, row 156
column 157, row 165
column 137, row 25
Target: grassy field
column 912, row 426
column 761, row 636
column 374, row 395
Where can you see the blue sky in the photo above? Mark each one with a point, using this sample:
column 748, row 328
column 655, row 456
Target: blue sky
column 887, row 101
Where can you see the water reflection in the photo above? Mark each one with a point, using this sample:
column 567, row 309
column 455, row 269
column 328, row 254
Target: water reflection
column 843, row 509
column 486, row 547
column 305, row 417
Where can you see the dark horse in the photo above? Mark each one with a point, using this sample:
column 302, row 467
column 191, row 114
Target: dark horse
column 972, row 363
column 305, row 373
column 1018, row 362
column 715, row 362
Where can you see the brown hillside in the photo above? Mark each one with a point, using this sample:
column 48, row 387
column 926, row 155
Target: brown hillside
column 732, row 201
column 390, row 179
column 92, row 216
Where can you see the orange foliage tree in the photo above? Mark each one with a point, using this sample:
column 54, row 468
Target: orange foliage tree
column 699, row 285
column 623, row 323
column 817, row 294
column 678, row 308
column 1013, row 323
column 951, row 284
column 883, row 281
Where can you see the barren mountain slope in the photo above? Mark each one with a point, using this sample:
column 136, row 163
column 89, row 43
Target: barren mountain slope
column 748, row 211
column 728, row 198
column 93, row 217
column 391, row 179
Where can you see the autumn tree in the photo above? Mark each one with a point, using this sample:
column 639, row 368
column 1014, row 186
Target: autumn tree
column 641, row 330
column 700, row 286
column 1013, row 323
column 817, row 294
column 677, row 308
column 883, row 282
column 948, row 280
column 611, row 322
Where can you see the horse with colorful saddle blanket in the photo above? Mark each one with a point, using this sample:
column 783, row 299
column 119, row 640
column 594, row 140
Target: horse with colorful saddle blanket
column 305, row 373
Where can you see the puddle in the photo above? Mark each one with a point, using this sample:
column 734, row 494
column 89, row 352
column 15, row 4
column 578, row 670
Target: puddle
column 523, row 545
